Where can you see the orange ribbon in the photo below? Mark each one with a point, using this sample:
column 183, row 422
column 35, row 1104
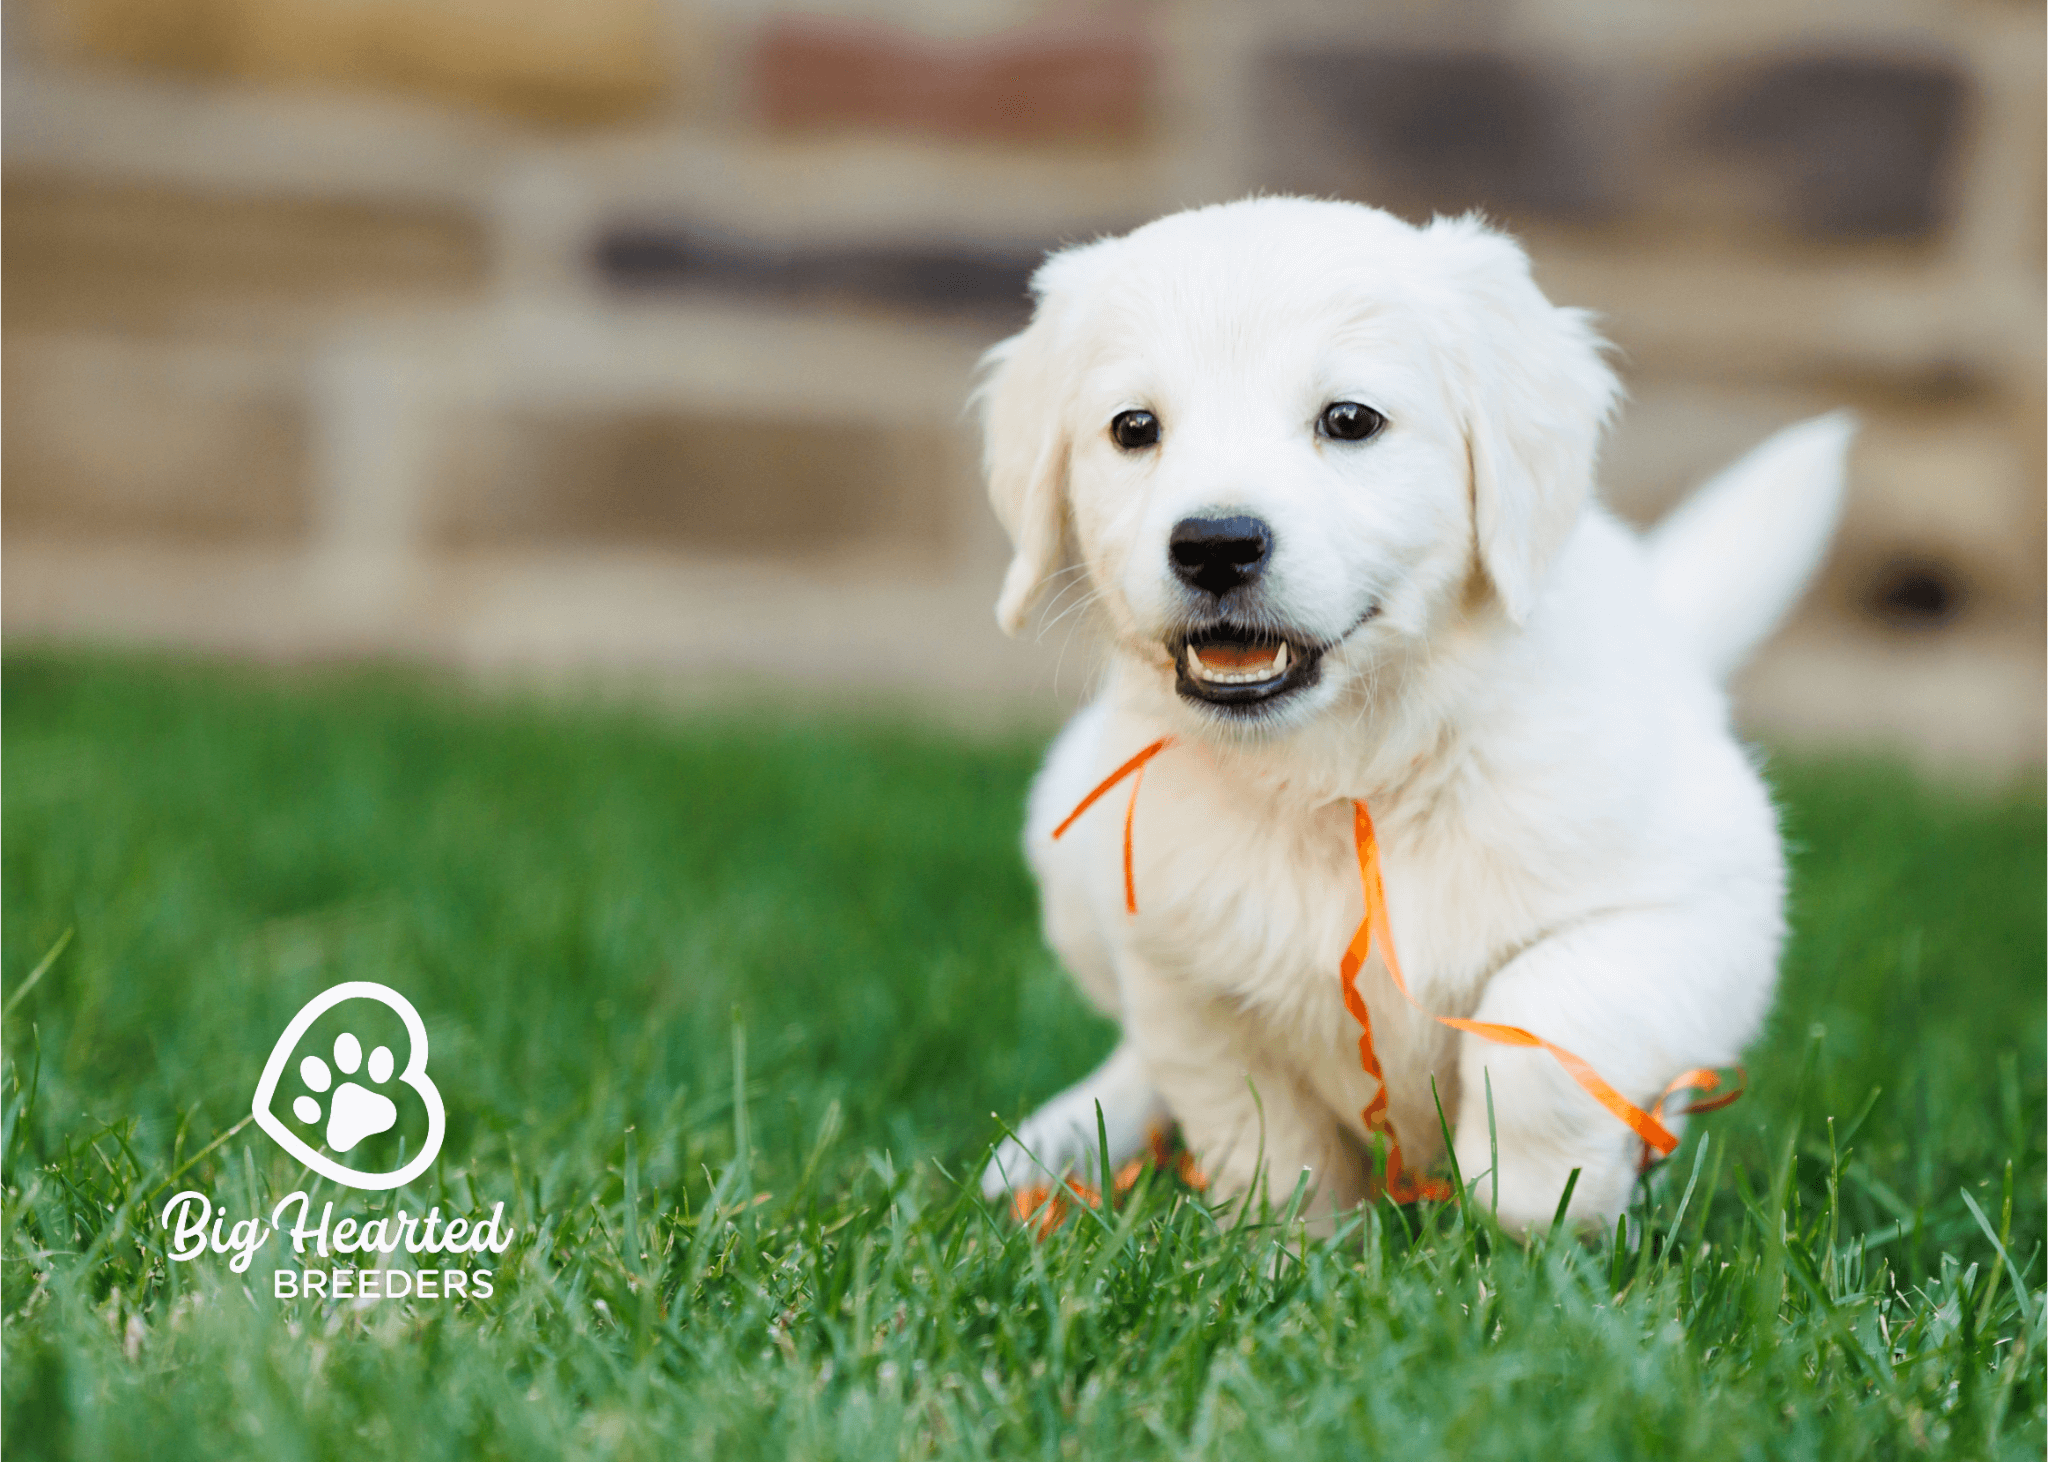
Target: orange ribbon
column 1050, row 1206
column 1656, row 1136
column 1401, row 1185
column 1134, row 768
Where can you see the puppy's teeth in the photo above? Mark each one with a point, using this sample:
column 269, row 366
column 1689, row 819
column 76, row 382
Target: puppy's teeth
column 1275, row 665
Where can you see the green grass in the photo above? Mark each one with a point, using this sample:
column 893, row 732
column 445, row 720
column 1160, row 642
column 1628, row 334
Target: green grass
column 721, row 1008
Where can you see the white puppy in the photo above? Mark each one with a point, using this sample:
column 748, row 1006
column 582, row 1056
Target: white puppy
column 1329, row 477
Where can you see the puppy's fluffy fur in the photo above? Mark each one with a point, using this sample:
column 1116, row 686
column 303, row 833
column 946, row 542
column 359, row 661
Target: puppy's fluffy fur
column 1524, row 692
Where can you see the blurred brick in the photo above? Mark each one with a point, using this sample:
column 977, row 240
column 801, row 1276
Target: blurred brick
column 576, row 61
column 110, row 256
column 1076, row 79
column 139, row 441
column 1431, row 130
column 152, row 374
column 1851, row 146
column 932, row 275
column 1981, row 535
column 698, row 483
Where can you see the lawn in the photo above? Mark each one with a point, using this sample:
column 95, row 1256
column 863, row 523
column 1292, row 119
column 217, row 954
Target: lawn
column 720, row 1007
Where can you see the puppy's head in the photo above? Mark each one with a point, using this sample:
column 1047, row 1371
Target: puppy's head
column 1287, row 438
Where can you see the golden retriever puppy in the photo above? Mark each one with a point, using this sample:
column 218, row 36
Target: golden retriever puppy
column 1329, row 478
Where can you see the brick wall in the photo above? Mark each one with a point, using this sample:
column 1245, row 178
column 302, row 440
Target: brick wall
column 455, row 319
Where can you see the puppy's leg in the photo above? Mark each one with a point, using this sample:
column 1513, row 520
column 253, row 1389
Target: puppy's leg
column 1641, row 996
column 1242, row 1114
column 1059, row 1138
column 1069, row 872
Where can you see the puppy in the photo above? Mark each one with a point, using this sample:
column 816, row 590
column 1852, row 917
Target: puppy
column 1329, row 479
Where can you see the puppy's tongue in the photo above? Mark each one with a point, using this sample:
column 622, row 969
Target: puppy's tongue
column 1237, row 660
column 1222, row 656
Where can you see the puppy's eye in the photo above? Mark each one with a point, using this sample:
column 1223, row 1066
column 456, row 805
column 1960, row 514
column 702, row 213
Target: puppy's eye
column 1347, row 421
column 1134, row 429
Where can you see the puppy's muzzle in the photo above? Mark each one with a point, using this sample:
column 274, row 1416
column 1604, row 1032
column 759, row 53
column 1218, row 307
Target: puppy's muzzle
column 1227, row 655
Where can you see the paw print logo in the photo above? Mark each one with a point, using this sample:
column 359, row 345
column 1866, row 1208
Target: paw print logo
column 353, row 1110
column 357, row 1111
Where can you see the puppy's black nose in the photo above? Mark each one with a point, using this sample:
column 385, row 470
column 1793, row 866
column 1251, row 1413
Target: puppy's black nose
column 1217, row 554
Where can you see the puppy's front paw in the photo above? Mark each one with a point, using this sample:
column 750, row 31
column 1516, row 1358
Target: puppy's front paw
column 1531, row 1183
column 1055, row 1141
column 1060, row 1138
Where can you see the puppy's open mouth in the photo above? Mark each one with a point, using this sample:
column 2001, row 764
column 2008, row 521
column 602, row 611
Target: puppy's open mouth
column 1239, row 670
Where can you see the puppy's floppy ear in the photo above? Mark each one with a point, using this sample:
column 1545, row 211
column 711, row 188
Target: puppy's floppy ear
column 1536, row 396
column 1023, row 396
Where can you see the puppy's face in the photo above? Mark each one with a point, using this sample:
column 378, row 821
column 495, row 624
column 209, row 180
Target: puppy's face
column 1283, row 438
column 1266, row 477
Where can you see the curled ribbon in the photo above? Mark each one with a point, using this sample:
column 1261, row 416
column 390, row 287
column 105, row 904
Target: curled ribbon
column 1134, row 769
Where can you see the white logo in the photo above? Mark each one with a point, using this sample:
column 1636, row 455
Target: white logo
column 353, row 1110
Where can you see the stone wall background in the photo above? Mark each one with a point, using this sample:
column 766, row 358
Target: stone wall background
column 629, row 338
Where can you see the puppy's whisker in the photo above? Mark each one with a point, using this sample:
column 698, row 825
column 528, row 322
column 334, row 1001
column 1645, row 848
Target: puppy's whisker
column 1052, row 608
column 1063, row 590
column 1060, row 663
column 1078, row 606
column 1070, row 571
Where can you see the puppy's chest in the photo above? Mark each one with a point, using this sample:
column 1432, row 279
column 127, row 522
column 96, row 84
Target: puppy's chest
column 1256, row 904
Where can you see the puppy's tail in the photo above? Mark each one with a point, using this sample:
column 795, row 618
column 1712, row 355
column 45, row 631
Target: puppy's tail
column 1734, row 557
